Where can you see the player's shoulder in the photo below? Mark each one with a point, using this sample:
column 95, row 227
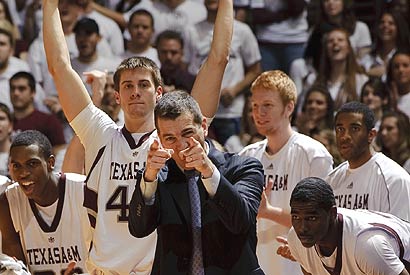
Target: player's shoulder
column 251, row 149
column 341, row 168
column 309, row 145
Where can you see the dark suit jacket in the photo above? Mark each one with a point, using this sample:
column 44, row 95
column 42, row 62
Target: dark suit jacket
column 228, row 219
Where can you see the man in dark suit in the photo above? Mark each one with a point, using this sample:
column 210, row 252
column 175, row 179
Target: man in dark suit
column 230, row 189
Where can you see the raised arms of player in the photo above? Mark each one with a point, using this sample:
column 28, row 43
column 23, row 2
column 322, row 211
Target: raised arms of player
column 71, row 90
column 11, row 244
column 207, row 85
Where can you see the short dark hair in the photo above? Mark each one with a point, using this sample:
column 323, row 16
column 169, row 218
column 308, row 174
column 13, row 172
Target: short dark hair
column 5, row 109
column 136, row 62
column 358, row 108
column 142, row 12
column 173, row 104
column 170, row 35
column 26, row 75
column 314, row 190
column 88, row 25
column 30, row 137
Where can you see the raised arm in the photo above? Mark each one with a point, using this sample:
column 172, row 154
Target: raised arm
column 207, row 86
column 71, row 90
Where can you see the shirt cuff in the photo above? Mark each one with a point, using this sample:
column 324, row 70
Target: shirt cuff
column 148, row 189
column 211, row 184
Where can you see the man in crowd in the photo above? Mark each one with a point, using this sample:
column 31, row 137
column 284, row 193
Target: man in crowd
column 366, row 180
column 38, row 212
column 287, row 157
column 228, row 187
column 113, row 155
column 326, row 239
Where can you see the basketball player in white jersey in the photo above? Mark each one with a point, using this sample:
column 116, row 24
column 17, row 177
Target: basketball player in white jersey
column 43, row 222
column 287, row 157
column 366, row 180
column 112, row 154
column 325, row 239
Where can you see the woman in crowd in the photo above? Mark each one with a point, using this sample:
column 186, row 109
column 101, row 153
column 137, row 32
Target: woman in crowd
column 339, row 70
column 392, row 33
column 394, row 138
column 317, row 111
column 375, row 95
column 398, row 81
column 333, row 14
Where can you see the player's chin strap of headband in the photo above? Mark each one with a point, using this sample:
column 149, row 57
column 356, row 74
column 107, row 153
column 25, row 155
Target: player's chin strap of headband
column 393, row 233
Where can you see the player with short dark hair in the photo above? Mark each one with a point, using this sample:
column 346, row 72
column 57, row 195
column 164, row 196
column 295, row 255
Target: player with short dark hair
column 326, row 239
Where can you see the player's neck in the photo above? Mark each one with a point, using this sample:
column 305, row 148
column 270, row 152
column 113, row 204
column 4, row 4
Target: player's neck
column 362, row 159
column 50, row 192
column 139, row 125
column 328, row 245
column 278, row 139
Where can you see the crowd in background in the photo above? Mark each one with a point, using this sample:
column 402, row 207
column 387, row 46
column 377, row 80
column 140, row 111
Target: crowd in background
column 333, row 60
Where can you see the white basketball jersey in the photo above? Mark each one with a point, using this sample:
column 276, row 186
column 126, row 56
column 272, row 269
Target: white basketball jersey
column 295, row 161
column 113, row 158
column 49, row 248
column 354, row 224
column 380, row 185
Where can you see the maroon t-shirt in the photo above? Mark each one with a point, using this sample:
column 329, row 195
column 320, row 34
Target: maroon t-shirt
column 48, row 124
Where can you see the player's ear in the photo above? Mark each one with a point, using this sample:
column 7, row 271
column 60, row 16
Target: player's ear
column 333, row 212
column 51, row 162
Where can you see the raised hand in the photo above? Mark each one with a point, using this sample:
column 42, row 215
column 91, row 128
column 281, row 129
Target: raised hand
column 195, row 157
column 157, row 156
column 283, row 249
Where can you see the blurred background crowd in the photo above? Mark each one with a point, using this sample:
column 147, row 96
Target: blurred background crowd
column 334, row 50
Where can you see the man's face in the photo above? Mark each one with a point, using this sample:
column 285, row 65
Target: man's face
column 311, row 223
column 170, row 52
column 141, row 30
column 269, row 112
column 211, row 5
column 401, row 69
column 29, row 168
column 6, row 50
column 21, row 95
column 137, row 95
column 353, row 138
column 6, row 127
column 174, row 134
column 86, row 43
column 68, row 12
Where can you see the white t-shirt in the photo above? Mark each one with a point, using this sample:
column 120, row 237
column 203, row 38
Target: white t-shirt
column 50, row 247
column 244, row 52
column 299, row 158
column 109, row 30
column 404, row 104
column 380, row 185
column 150, row 53
column 101, row 63
column 292, row 30
column 362, row 251
column 37, row 61
column 112, row 159
column 360, row 37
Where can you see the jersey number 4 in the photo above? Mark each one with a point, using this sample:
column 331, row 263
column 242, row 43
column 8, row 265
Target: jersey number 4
column 119, row 201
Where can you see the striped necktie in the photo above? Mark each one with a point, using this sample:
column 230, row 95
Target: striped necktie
column 197, row 266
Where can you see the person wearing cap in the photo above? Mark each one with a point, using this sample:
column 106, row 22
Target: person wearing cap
column 87, row 36
column 108, row 28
